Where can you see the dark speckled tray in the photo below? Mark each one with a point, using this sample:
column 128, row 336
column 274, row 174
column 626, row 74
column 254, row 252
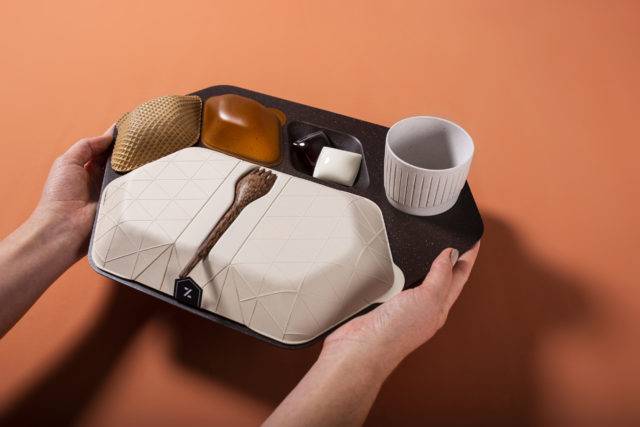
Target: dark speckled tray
column 415, row 241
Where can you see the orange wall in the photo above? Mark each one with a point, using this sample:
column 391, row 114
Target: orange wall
column 547, row 330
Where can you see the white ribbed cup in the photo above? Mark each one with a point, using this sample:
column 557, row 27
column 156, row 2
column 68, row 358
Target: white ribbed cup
column 426, row 163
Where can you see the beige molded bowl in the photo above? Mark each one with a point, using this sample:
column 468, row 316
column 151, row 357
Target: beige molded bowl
column 295, row 263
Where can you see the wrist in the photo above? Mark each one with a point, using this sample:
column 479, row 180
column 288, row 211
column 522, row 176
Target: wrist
column 359, row 358
column 55, row 233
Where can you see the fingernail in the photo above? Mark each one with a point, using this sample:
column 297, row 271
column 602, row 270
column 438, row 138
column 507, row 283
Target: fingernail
column 454, row 256
column 109, row 131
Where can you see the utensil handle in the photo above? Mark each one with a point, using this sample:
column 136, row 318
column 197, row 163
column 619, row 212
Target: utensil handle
column 212, row 238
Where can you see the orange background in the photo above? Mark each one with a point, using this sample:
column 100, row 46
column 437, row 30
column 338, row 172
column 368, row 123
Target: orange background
column 546, row 331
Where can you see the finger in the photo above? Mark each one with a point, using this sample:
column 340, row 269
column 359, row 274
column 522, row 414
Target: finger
column 100, row 147
column 96, row 172
column 463, row 267
column 109, row 130
column 439, row 278
column 100, row 160
column 96, row 168
column 461, row 272
column 87, row 148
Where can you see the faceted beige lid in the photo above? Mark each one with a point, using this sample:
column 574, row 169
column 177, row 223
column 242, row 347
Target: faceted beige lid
column 295, row 263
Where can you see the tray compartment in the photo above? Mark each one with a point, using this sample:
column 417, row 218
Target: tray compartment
column 298, row 130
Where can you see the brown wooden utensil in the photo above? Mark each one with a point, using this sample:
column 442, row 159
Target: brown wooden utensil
column 253, row 185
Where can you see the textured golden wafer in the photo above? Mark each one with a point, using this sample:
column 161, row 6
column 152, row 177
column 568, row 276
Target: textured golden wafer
column 154, row 129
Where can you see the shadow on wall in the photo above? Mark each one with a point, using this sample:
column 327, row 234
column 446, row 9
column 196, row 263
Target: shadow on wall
column 478, row 370
column 60, row 395
column 246, row 363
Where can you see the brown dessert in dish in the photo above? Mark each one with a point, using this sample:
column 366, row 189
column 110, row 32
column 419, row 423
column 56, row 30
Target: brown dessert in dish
column 243, row 127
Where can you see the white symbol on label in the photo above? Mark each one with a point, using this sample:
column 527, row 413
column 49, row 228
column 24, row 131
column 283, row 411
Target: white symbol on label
column 187, row 293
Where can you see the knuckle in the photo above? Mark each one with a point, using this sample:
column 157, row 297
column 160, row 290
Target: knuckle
column 58, row 160
column 441, row 268
column 440, row 262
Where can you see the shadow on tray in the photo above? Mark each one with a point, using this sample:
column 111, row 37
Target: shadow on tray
column 478, row 370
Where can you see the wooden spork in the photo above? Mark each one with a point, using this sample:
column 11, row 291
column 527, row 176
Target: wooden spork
column 253, row 185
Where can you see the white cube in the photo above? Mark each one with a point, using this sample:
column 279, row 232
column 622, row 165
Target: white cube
column 338, row 166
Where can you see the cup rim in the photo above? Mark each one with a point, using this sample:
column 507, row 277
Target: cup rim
column 438, row 119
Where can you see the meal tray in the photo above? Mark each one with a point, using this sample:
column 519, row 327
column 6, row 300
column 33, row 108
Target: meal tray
column 414, row 241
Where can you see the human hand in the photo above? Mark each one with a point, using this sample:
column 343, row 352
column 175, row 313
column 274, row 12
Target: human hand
column 70, row 194
column 387, row 334
column 341, row 386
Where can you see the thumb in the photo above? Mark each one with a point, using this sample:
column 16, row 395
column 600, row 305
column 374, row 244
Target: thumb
column 109, row 130
column 440, row 276
column 88, row 148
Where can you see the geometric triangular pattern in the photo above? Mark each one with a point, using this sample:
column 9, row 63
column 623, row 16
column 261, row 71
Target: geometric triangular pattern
column 295, row 262
column 152, row 206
